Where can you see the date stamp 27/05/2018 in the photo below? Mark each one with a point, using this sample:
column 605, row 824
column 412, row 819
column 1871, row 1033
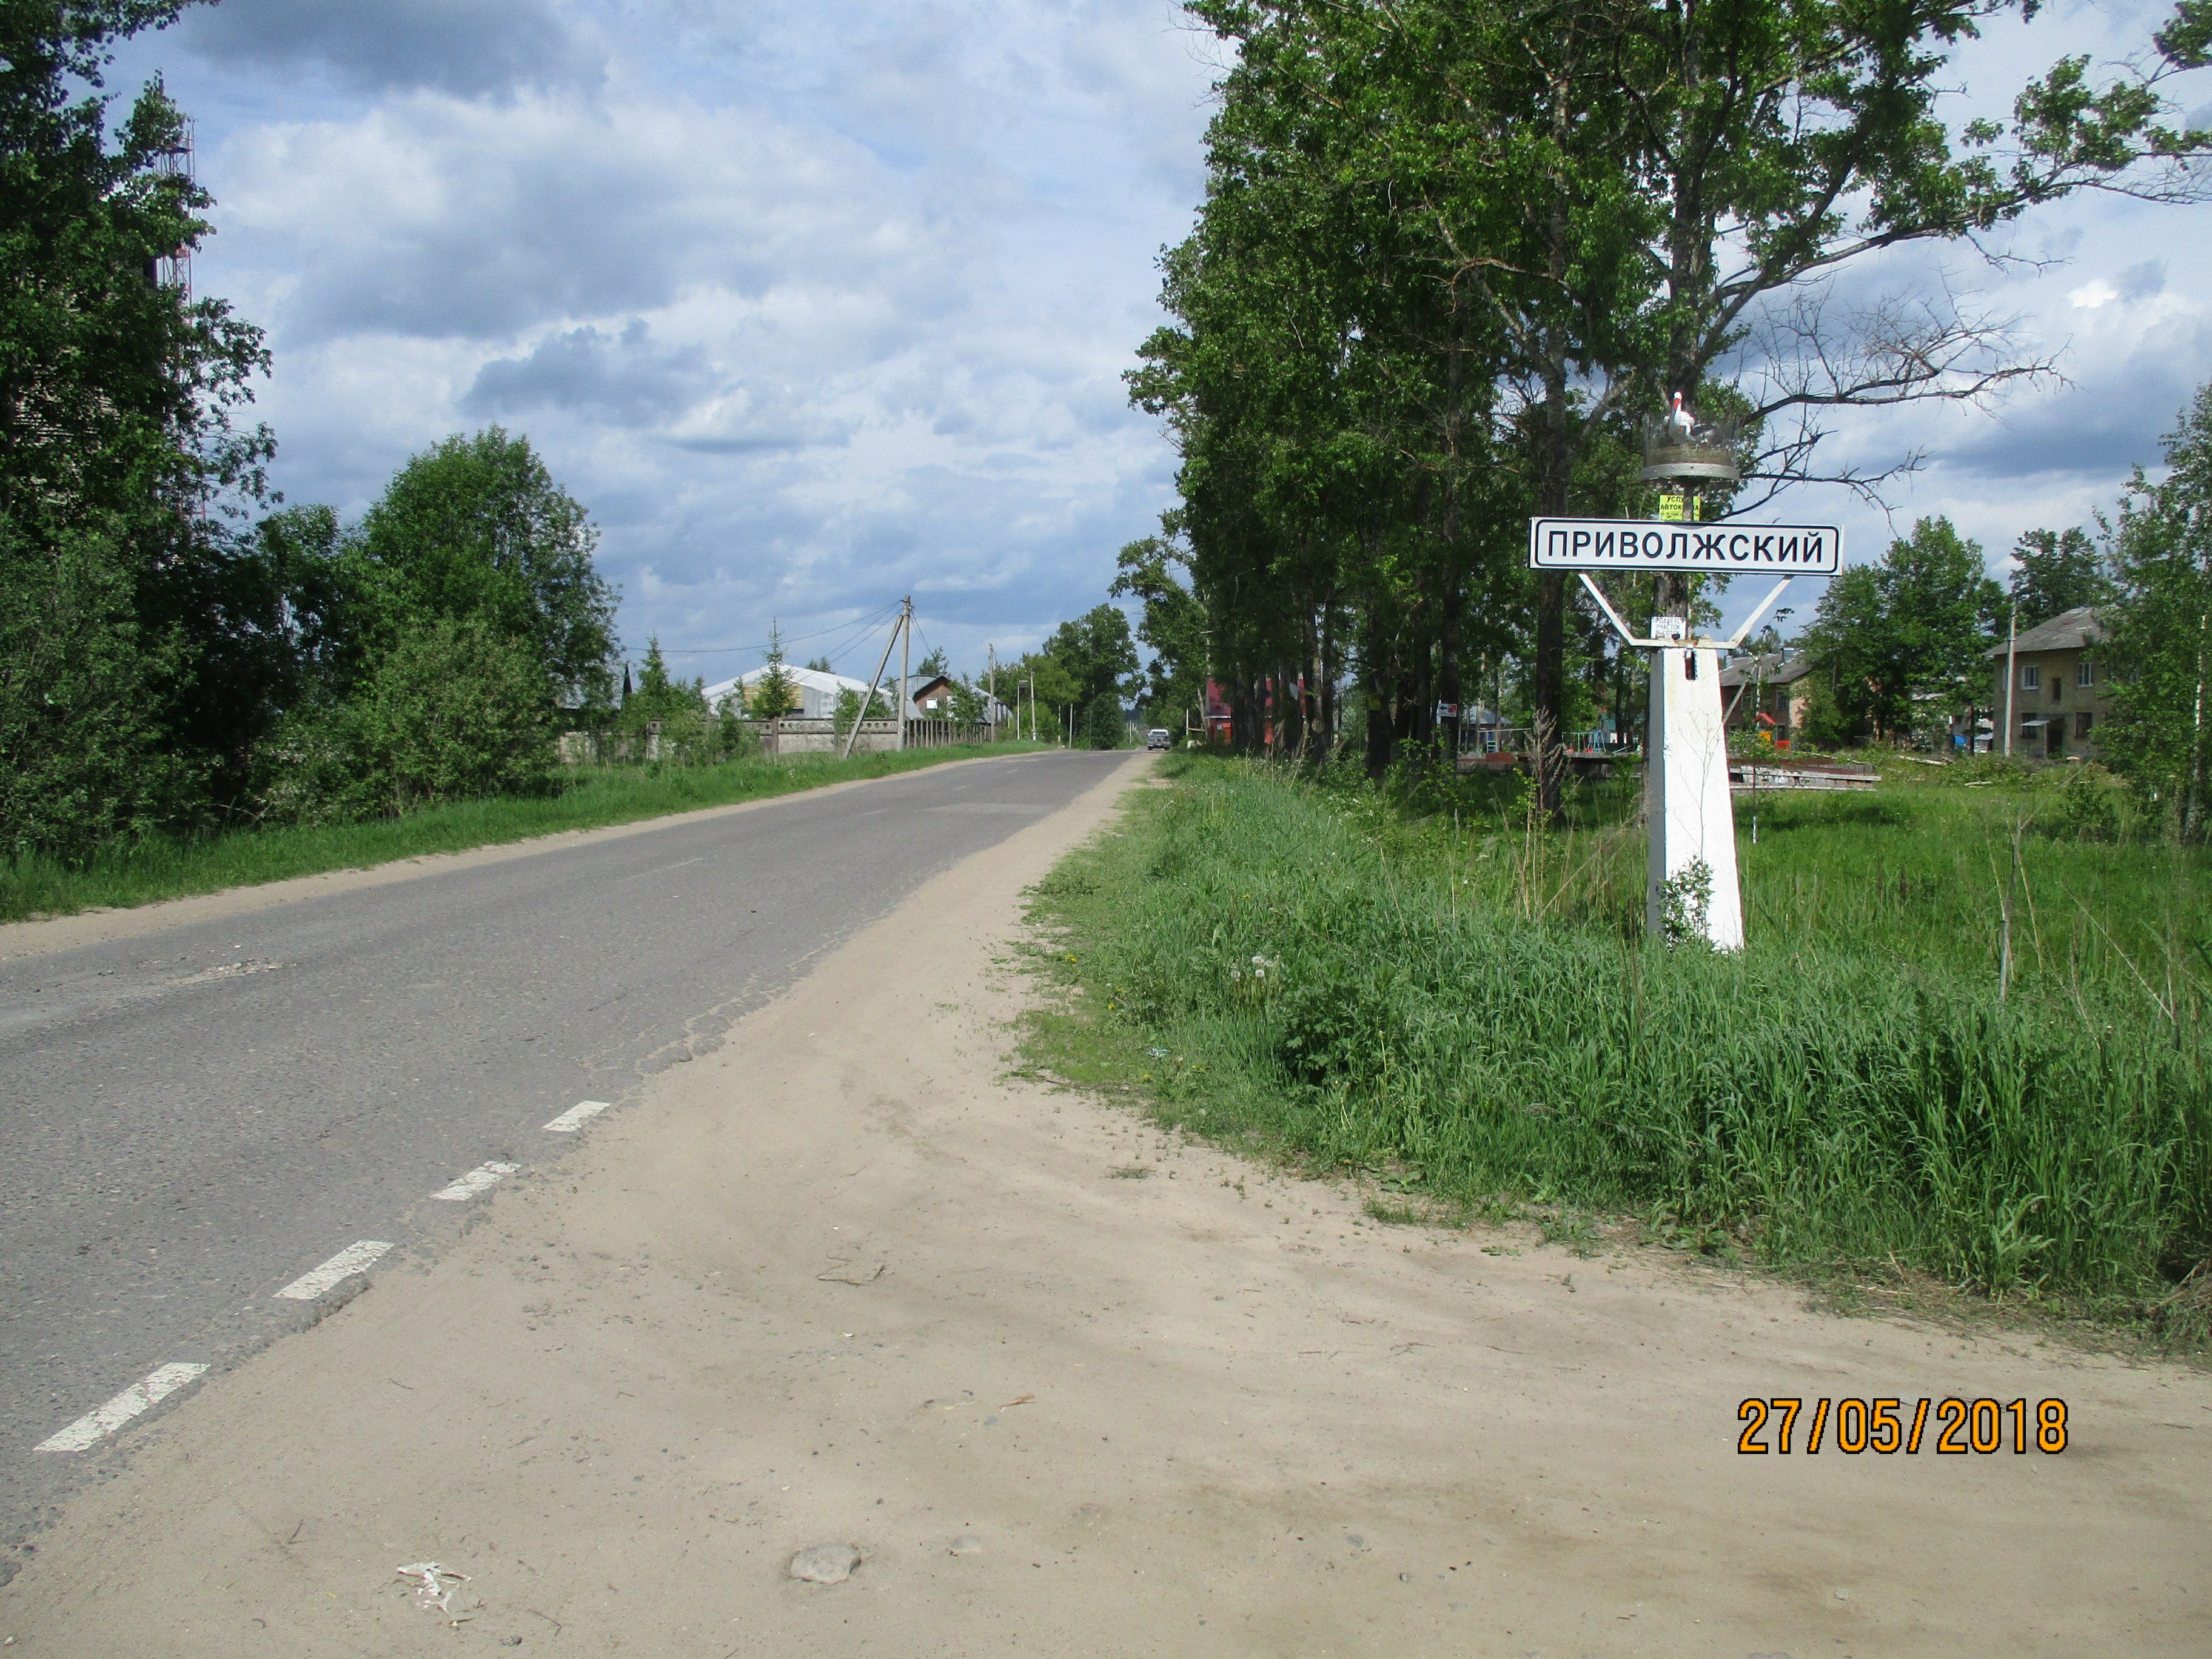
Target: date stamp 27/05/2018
column 1882, row 1426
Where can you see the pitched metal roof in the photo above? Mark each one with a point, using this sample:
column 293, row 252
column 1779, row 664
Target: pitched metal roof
column 1770, row 668
column 2069, row 630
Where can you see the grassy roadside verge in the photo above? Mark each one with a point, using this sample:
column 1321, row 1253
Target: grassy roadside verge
column 163, row 867
column 1281, row 966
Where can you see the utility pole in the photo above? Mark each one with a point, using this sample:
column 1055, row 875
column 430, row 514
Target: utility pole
column 906, row 640
column 2012, row 673
column 991, row 685
column 853, row 738
column 2196, row 736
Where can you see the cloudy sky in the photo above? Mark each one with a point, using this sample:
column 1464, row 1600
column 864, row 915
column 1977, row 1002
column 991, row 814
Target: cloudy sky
column 815, row 305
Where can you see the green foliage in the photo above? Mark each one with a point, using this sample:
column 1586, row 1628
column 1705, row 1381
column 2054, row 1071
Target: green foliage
column 1900, row 645
column 475, row 527
column 1173, row 626
column 1055, row 689
column 969, row 705
column 1103, row 726
column 2159, row 650
column 1450, row 253
column 2056, row 573
column 163, row 865
column 454, row 710
column 117, row 396
column 848, row 708
column 1852, row 1089
column 776, row 694
column 667, row 719
column 1096, row 651
column 78, row 687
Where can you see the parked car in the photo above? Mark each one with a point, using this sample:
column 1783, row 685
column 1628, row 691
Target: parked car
column 1157, row 738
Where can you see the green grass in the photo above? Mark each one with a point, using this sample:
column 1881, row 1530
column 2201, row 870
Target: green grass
column 163, row 866
column 1469, row 1005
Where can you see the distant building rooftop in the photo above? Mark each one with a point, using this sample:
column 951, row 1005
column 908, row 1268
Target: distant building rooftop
column 1766, row 668
column 2069, row 630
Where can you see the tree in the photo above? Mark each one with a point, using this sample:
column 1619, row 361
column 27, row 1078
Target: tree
column 1055, row 689
column 1097, row 652
column 117, row 396
column 776, row 694
column 848, row 708
column 657, row 696
column 1900, row 645
column 1452, row 253
column 2055, row 573
column 475, row 526
column 967, row 703
column 1173, row 625
column 821, row 664
column 934, row 664
column 2160, row 623
column 1103, row 726
column 689, row 730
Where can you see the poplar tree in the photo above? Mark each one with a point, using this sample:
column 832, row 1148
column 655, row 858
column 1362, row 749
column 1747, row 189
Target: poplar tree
column 1452, row 254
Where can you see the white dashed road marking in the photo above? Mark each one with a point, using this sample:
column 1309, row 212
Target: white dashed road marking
column 484, row 1176
column 353, row 1259
column 576, row 1117
column 95, row 1426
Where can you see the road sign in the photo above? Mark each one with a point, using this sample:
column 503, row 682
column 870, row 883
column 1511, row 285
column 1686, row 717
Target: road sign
column 1781, row 549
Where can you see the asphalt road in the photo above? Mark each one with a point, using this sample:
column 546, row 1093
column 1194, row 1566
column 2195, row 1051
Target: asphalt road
column 194, row 1119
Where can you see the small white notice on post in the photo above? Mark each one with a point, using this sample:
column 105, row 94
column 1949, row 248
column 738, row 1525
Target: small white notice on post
column 1780, row 549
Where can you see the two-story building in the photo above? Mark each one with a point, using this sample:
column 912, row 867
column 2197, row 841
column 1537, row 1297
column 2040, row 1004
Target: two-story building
column 2054, row 700
column 1769, row 690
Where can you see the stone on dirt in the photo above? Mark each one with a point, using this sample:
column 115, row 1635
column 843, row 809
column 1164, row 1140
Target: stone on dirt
column 825, row 1564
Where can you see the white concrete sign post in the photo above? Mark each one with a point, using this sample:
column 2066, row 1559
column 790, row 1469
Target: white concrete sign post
column 1691, row 886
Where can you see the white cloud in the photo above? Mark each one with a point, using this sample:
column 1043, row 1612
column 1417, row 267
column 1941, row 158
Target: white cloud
column 815, row 304
column 811, row 306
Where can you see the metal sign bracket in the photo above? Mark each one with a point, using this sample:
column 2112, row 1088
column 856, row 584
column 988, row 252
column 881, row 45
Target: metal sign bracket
column 1629, row 638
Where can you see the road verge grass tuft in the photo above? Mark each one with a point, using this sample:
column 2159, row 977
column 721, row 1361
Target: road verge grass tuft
column 1296, row 971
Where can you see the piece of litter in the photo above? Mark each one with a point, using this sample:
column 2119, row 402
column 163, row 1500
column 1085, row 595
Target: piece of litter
column 841, row 1273
column 825, row 1564
column 1018, row 1400
column 434, row 1585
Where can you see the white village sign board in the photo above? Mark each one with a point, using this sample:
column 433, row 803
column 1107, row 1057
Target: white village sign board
column 1691, row 870
column 1726, row 549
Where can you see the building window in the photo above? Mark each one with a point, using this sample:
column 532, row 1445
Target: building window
column 2058, row 687
column 2085, row 673
column 2031, row 676
column 2081, row 723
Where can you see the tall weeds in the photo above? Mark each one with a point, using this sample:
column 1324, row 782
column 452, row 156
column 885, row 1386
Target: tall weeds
column 1456, row 999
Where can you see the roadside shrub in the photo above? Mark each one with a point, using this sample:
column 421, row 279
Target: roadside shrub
column 453, row 711
column 2093, row 805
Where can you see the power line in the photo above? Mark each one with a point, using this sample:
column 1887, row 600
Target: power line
column 870, row 621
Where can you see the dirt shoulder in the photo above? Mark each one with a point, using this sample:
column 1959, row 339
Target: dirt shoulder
column 1081, row 1411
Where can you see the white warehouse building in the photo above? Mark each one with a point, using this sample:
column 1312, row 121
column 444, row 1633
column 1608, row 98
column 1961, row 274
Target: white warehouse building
column 817, row 691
